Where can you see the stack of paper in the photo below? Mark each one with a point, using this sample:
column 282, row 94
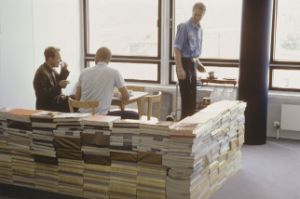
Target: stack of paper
column 20, row 139
column 42, row 146
column 96, row 181
column 70, row 177
column 198, row 149
column 151, row 181
column 123, row 180
column 46, row 177
column 95, row 139
column 5, row 152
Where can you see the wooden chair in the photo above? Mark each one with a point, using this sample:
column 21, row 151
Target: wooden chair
column 83, row 104
column 155, row 97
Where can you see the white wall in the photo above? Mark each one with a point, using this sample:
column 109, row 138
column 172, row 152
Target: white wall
column 27, row 27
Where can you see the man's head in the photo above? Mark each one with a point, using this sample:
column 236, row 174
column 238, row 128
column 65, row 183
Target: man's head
column 52, row 56
column 198, row 12
column 103, row 54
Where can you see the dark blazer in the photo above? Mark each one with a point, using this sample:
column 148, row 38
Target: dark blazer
column 46, row 87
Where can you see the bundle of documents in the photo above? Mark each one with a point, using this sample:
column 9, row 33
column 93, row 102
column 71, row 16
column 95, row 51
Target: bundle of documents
column 42, row 146
column 96, row 180
column 46, row 177
column 70, row 177
column 95, row 139
column 198, row 150
column 20, row 138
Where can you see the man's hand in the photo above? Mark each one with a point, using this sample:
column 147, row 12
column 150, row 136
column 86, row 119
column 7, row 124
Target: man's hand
column 63, row 83
column 180, row 73
column 63, row 65
column 200, row 66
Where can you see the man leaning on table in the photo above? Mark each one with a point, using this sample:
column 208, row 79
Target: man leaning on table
column 97, row 84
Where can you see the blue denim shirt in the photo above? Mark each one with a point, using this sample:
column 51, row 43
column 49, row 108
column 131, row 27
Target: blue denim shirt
column 189, row 39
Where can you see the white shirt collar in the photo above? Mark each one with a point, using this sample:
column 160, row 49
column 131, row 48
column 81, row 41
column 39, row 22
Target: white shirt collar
column 101, row 63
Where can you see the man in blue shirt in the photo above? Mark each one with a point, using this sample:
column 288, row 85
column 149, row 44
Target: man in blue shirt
column 187, row 48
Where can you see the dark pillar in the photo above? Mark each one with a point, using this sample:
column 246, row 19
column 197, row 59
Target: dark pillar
column 254, row 64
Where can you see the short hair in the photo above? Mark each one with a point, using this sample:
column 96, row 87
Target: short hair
column 103, row 54
column 50, row 52
column 200, row 6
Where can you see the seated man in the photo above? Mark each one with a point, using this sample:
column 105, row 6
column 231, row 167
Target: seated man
column 98, row 82
column 48, row 83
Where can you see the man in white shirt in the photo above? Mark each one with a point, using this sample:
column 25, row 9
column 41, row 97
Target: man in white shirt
column 97, row 84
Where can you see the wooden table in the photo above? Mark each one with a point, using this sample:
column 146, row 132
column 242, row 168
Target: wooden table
column 136, row 96
column 218, row 81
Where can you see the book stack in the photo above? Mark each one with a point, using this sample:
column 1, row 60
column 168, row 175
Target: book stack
column 198, row 150
column 123, row 178
column 150, row 147
column 46, row 176
column 67, row 135
column 151, row 181
column 95, row 141
column 5, row 152
column 70, row 177
column 20, row 138
column 42, row 146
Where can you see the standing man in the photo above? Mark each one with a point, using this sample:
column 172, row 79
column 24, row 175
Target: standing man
column 48, row 83
column 187, row 48
column 97, row 84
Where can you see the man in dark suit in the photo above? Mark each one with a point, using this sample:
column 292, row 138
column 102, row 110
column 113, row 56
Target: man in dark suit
column 48, row 83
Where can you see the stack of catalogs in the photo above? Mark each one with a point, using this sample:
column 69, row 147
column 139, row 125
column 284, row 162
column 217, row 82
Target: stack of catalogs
column 151, row 146
column 123, row 178
column 43, row 151
column 5, row 152
column 95, row 147
column 67, row 135
column 197, row 150
column 42, row 147
column 46, row 176
column 67, row 143
column 20, row 138
column 70, row 177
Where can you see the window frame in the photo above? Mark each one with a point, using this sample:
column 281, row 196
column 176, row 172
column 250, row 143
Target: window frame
column 125, row 58
column 275, row 64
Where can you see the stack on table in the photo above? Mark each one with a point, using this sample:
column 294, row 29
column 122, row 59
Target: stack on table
column 67, row 140
column 200, row 150
column 5, row 152
column 95, row 140
column 20, row 138
column 105, row 157
column 123, row 178
column 43, row 151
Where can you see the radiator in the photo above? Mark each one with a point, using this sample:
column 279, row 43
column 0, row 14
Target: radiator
column 290, row 117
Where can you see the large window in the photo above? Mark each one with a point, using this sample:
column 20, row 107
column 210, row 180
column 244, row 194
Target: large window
column 285, row 59
column 131, row 29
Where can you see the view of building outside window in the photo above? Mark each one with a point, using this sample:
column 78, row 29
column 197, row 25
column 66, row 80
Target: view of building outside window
column 137, row 71
column 287, row 43
column 128, row 28
column 221, row 26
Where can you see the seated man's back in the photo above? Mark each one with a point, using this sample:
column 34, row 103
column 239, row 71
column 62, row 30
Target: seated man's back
column 97, row 83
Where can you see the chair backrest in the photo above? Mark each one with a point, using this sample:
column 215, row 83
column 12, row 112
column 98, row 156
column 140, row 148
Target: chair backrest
column 155, row 97
column 83, row 104
column 136, row 88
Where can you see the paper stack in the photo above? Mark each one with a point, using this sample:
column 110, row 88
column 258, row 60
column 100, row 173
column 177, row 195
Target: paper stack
column 46, row 176
column 42, row 146
column 20, row 138
column 198, row 150
column 70, row 177
column 5, row 152
column 95, row 140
